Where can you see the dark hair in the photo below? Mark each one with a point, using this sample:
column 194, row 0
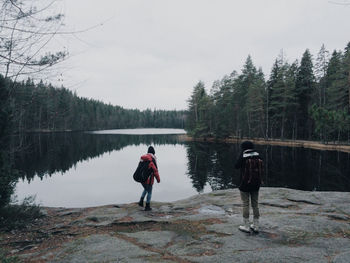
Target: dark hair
column 151, row 150
column 247, row 145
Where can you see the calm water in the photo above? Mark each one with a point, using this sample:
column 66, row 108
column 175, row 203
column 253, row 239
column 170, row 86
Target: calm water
column 90, row 169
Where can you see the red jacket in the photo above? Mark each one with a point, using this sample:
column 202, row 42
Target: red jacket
column 148, row 157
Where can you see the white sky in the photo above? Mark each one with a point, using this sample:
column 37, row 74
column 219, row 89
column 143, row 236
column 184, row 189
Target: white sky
column 150, row 53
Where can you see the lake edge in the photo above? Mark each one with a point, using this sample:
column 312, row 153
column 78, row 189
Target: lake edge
column 289, row 143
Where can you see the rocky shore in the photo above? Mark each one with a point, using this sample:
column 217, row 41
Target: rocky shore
column 296, row 226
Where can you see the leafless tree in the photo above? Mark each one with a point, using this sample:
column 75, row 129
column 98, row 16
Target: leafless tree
column 26, row 29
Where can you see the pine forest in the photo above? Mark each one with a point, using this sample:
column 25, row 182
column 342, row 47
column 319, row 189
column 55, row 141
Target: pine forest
column 42, row 107
column 304, row 100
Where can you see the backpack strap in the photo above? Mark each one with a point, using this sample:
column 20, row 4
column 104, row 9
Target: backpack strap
column 250, row 166
column 246, row 170
column 261, row 170
column 155, row 163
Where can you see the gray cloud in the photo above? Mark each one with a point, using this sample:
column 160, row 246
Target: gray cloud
column 149, row 54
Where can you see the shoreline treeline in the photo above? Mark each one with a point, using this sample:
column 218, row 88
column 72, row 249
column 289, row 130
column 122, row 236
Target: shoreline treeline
column 308, row 100
column 42, row 107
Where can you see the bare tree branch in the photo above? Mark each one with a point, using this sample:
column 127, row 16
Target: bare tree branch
column 345, row 2
column 22, row 49
column 56, row 33
column 14, row 4
column 31, row 13
column 26, row 29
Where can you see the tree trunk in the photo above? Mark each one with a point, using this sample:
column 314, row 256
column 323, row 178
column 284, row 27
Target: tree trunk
column 267, row 114
column 249, row 124
column 40, row 119
column 349, row 90
column 282, row 132
column 295, row 128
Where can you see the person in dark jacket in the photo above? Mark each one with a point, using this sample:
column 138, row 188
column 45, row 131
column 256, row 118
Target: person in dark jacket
column 148, row 185
column 248, row 191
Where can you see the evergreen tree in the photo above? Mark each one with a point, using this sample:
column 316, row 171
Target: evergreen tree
column 282, row 97
column 244, row 82
column 255, row 106
column 271, row 83
column 198, row 120
column 276, row 96
column 304, row 90
column 321, row 66
column 291, row 100
column 337, row 82
column 346, row 69
column 223, row 107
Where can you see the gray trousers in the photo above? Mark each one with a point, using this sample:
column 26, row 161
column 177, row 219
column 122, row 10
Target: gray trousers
column 254, row 198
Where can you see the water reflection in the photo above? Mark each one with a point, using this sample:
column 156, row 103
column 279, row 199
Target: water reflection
column 101, row 165
column 297, row 168
column 45, row 154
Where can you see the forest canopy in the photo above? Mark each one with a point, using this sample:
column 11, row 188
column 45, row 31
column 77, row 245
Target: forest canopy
column 42, row 107
column 309, row 100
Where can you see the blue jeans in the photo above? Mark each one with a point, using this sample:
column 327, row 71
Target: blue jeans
column 147, row 190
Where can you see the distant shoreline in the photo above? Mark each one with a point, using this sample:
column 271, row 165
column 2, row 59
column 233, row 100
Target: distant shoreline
column 127, row 131
column 290, row 143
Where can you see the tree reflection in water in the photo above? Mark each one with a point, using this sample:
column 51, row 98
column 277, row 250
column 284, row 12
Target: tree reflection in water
column 297, row 168
column 207, row 163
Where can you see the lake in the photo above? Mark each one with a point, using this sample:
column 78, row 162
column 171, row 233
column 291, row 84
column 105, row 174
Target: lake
column 80, row 169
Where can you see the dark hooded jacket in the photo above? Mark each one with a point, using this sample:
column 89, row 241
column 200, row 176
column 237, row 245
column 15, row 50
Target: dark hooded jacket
column 247, row 152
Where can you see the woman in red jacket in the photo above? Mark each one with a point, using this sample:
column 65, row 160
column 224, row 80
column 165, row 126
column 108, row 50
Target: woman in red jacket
column 150, row 156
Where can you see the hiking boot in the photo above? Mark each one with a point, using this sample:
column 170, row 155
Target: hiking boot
column 148, row 207
column 141, row 202
column 255, row 225
column 245, row 227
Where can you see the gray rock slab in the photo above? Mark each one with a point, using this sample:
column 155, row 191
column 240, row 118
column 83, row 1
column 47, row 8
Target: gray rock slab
column 101, row 248
column 342, row 257
column 74, row 211
column 278, row 203
column 271, row 255
column 240, row 241
column 310, row 224
column 192, row 247
column 222, row 228
column 102, row 216
column 157, row 239
column 333, row 245
column 295, row 226
column 211, row 210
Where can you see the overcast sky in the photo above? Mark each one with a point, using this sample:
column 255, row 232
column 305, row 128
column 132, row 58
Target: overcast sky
column 150, row 53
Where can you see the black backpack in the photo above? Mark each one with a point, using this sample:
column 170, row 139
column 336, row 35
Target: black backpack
column 142, row 172
column 253, row 171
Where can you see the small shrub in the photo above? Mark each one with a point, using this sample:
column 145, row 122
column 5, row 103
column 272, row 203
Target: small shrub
column 5, row 259
column 17, row 216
